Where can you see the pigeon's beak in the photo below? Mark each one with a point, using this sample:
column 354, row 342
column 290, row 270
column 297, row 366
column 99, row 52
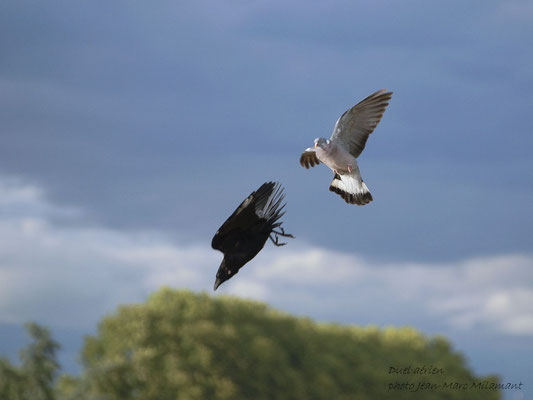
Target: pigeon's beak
column 316, row 145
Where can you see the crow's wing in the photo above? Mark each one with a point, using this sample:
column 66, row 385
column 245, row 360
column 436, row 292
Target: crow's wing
column 248, row 213
column 353, row 127
column 272, row 209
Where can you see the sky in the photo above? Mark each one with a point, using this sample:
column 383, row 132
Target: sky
column 130, row 131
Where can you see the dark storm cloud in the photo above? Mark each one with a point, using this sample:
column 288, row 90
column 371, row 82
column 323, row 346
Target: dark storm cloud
column 160, row 117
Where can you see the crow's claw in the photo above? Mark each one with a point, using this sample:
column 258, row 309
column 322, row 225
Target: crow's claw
column 282, row 233
column 276, row 241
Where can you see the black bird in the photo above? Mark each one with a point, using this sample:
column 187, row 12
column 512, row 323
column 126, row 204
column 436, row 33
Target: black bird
column 245, row 232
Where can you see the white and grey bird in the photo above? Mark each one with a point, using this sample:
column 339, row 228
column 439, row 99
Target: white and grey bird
column 346, row 143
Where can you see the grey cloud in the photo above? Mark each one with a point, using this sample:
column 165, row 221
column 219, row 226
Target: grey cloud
column 143, row 115
column 86, row 271
column 76, row 273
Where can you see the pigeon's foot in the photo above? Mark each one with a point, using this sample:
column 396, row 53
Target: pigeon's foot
column 350, row 168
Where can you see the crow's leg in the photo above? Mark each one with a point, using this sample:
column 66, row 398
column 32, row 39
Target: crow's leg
column 276, row 241
column 282, row 233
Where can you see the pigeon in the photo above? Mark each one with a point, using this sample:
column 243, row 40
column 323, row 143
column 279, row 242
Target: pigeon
column 246, row 231
column 346, row 143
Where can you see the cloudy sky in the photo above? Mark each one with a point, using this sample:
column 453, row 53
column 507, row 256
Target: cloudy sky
column 129, row 131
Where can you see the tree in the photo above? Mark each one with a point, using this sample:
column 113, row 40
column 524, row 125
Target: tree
column 34, row 378
column 184, row 346
column 181, row 345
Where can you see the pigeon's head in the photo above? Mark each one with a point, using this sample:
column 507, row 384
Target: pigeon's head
column 223, row 274
column 322, row 143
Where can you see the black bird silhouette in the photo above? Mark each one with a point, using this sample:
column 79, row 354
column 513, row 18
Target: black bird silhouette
column 245, row 232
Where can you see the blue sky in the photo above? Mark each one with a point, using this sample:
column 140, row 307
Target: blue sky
column 136, row 129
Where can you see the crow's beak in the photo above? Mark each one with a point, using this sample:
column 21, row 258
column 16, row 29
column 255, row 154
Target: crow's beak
column 218, row 281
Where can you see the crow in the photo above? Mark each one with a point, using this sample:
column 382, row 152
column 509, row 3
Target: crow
column 245, row 232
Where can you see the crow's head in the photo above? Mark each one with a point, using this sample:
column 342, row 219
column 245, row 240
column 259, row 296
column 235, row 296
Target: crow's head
column 225, row 271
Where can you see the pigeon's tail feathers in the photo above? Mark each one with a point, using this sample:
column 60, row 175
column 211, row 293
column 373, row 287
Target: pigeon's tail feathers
column 272, row 208
column 351, row 189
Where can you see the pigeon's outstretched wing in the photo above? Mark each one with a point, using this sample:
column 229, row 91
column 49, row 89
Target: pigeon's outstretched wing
column 354, row 126
column 308, row 158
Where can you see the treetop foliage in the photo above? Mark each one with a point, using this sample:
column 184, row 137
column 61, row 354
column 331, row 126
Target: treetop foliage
column 179, row 345
column 182, row 345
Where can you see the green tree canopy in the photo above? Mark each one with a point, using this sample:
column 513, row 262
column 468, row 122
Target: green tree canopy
column 185, row 346
column 34, row 378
